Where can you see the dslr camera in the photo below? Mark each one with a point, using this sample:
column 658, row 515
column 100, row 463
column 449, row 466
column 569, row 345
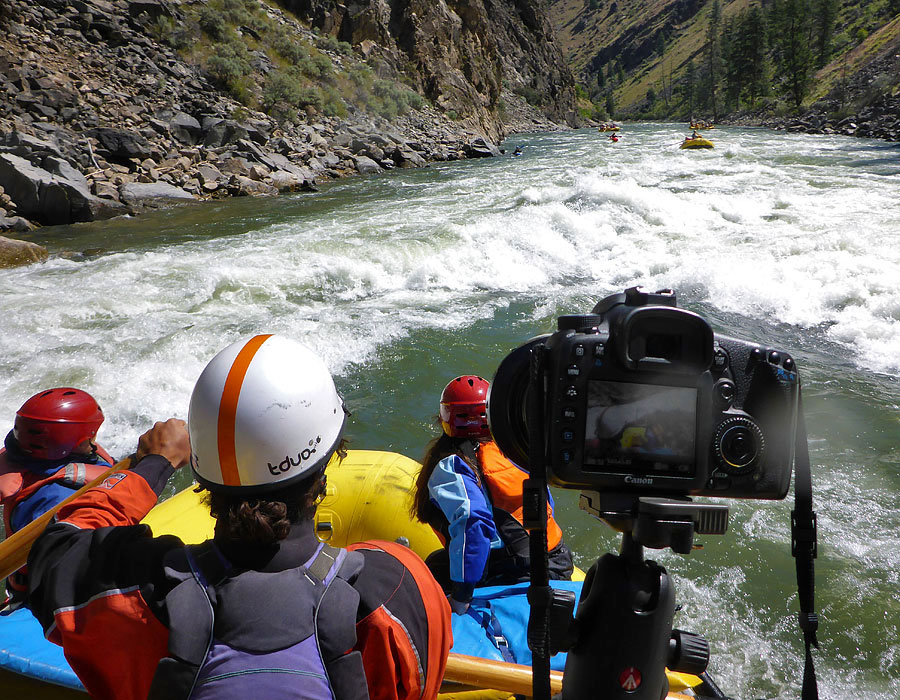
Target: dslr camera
column 642, row 398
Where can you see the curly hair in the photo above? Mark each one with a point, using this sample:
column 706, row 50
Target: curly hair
column 268, row 518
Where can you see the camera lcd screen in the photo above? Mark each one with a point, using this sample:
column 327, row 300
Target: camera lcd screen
column 633, row 424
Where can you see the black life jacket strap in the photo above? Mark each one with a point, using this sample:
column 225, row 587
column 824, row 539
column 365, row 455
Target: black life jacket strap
column 804, row 549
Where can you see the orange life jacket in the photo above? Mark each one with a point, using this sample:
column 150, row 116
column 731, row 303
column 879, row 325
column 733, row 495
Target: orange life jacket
column 504, row 484
column 17, row 483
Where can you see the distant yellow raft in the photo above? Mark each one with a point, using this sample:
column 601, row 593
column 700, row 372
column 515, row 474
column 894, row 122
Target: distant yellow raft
column 696, row 142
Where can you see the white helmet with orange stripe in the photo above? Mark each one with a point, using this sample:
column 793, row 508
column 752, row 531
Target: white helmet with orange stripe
column 264, row 414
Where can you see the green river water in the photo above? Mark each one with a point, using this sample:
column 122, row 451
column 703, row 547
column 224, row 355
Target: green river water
column 405, row 280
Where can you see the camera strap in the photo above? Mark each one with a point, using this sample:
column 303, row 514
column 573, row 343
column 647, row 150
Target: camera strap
column 804, row 550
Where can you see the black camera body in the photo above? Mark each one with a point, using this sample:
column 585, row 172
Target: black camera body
column 642, row 397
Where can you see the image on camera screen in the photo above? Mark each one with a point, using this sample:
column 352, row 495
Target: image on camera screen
column 628, row 423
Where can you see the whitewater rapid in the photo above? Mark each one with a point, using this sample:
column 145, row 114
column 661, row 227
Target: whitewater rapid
column 790, row 238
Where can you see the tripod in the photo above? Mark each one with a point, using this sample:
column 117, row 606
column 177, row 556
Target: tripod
column 623, row 636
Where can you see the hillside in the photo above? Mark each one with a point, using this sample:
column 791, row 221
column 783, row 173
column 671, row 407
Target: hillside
column 114, row 105
column 638, row 57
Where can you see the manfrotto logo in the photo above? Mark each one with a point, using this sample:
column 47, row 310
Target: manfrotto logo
column 645, row 480
column 288, row 462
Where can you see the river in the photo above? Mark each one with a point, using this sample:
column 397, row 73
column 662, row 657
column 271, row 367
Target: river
column 404, row 280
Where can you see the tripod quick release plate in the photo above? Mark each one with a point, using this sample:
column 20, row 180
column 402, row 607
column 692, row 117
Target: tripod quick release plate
column 657, row 523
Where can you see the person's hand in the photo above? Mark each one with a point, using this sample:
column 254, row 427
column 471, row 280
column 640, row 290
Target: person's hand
column 167, row 439
column 457, row 606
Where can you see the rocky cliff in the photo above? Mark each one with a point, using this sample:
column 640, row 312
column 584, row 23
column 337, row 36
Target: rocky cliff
column 462, row 54
column 112, row 105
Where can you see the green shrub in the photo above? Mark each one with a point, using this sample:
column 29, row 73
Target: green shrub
column 333, row 105
column 280, row 87
column 362, row 76
column 311, row 96
column 323, row 64
column 391, row 99
column 415, row 100
column 212, row 23
column 532, row 96
column 228, row 62
column 318, row 67
column 328, row 42
column 237, row 12
column 289, row 48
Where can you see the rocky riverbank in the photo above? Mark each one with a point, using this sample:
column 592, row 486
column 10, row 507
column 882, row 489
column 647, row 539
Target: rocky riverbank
column 866, row 105
column 100, row 119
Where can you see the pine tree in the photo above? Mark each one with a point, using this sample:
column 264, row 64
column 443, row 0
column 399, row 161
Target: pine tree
column 825, row 18
column 714, row 57
column 689, row 86
column 793, row 23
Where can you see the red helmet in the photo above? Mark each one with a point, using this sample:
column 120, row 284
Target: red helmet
column 53, row 422
column 463, row 411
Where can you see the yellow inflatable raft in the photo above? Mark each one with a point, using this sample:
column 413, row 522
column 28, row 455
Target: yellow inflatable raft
column 696, row 142
column 368, row 497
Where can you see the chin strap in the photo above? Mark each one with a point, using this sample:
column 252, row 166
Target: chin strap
column 804, row 551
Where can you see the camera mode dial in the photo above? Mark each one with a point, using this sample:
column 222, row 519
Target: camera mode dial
column 739, row 445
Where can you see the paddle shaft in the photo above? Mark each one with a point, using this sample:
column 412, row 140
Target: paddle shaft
column 476, row 672
column 14, row 550
column 487, row 673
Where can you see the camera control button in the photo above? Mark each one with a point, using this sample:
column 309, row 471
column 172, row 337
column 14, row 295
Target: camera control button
column 719, row 481
column 571, row 392
column 573, row 370
column 569, row 413
column 568, row 435
column 578, row 350
column 739, row 445
column 599, row 350
column 720, row 359
column 724, row 392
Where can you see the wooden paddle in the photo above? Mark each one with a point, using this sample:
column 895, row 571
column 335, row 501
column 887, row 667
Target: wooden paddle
column 14, row 550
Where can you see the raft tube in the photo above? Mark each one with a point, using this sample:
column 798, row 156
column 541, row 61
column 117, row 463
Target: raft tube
column 368, row 496
column 698, row 142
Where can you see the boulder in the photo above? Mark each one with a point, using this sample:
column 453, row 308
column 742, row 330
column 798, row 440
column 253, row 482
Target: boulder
column 286, row 182
column 241, row 186
column 407, row 158
column 23, row 145
column 218, row 132
column 185, row 128
column 14, row 253
column 366, row 166
column 153, row 194
column 120, row 145
column 44, row 196
column 480, row 148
